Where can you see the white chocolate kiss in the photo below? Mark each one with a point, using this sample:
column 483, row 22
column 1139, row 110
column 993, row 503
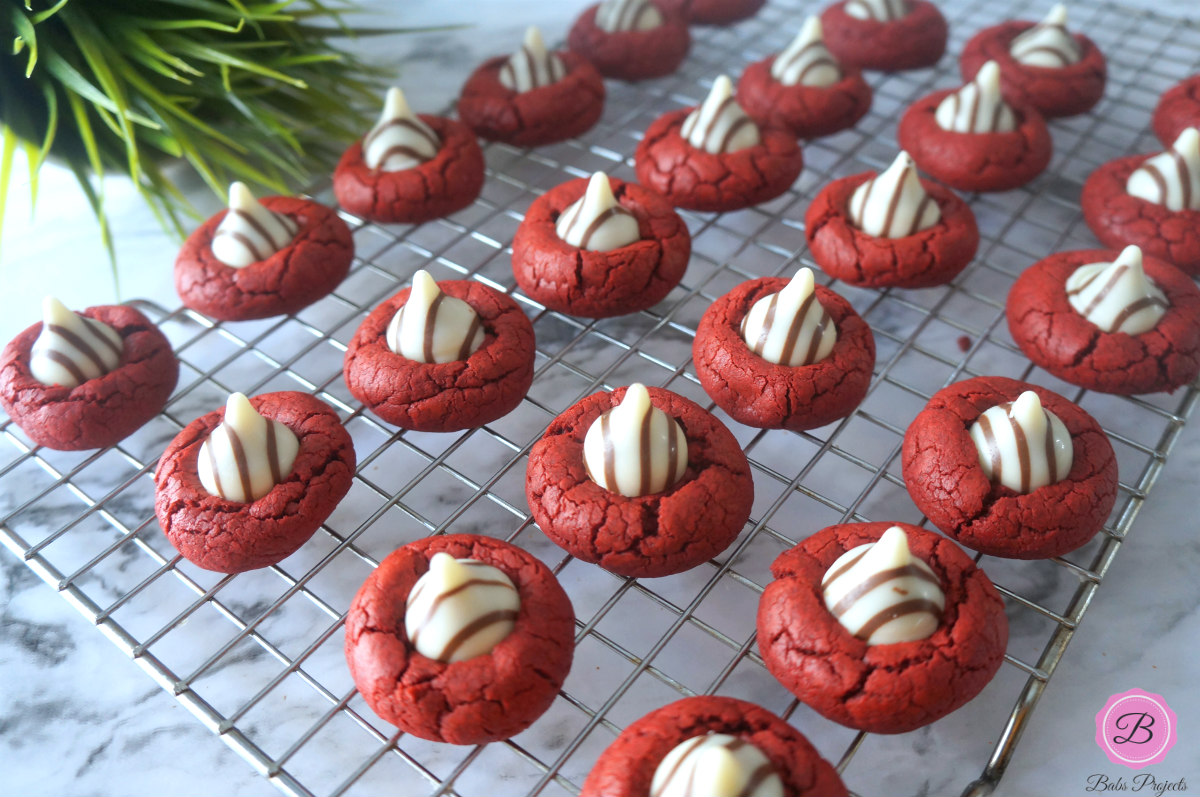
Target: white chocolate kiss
column 1021, row 445
column 882, row 594
column 460, row 609
column 1047, row 44
column 719, row 124
column 614, row 16
column 596, row 221
column 790, row 327
column 532, row 66
column 399, row 140
column 977, row 107
column 894, row 204
column 71, row 349
column 247, row 454
column 1117, row 296
column 715, row 765
column 878, row 10
column 806, row 61
column 1171, row 178
column 432, row 327
column 635, row 448
column 249, row 232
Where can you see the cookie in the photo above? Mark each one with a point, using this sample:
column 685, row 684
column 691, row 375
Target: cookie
column 481, row 699
column 914, row 41
column 228, row 536
column 546, row 113
column 1177, row 109
column 651, row 535
column 100, row 411
column 762, row 393
column 604, row 283
column 946, row 480
column 1061, row 340
column 697, row 179
column 880, row 688
column 987, row 161
column 449, row 181
column 713, row 12
column 1118, row 219
column 307, row 268
column 1065, row 90
column 627, row 767
column 630, row 53
column 931, row 256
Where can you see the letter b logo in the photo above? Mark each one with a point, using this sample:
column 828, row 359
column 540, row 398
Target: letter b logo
column 1135, row 729
column 1134, row 722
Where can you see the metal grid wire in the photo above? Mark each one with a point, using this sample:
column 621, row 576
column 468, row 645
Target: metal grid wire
column 258, row 657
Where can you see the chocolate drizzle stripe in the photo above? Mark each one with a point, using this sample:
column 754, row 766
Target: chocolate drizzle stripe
column 400, row 149
column 814, row 64
column 531, row 64
column 768, row 321
column 914, row 606
column 1063, row 56
column 732, row 131
column 597, row 223
column 261, row 230
column 865, row 198
column 243, row 240
column 793, row 331
column 757, row 777
column 408, row 124
column 893, row 205
column 1105, row 290
column 214, row 467
column 673, row 448
column 239, row 459
column 856, row 593
column 437, row 602
column 273, row 452
column 1133, row 308
column 1051, row 460
column 692, row 744
column 1160, row 181
column 1022, row 442
column 104, row 339
column 995, row 124
column 1083, row 287
column 431, row 326
column 66, row 362
column 716, row 117
column 915, row 225
column 81, row 345
column 973, row 112
column 992, row 445
column 471, row 629
column 836, row 574
column 644, row 462
column 1185, row 180
column 610, row 451
column 464, row 351
column 818, row 335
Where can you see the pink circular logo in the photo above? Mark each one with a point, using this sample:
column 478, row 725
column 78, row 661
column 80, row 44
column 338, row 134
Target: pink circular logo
column 1135, row 728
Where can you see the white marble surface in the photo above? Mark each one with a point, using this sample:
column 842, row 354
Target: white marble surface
column 78, row 717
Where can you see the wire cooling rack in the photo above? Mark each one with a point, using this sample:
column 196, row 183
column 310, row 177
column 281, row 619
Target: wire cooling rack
column 257, row 657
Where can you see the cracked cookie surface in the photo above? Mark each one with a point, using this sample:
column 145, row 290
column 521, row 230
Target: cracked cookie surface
column 650, row 535
column 563, row 109
column 601, row 284
column 1060, row 91
column 890, row 688
column 1119, row 219
column 932, row 256
column 444, row 397
column 763, row 394
column 305, row 270
column 626, row 768
column 807, row 111
column 1177, row 109
column 713, row 12
column 631, row 54
column 230, row 536
column 481, row 699
column 945, row 480
column 693, row 178
column 449, row 181
column 1056, row 337
column 916, row 40
column 975, row 161
column 101, row 411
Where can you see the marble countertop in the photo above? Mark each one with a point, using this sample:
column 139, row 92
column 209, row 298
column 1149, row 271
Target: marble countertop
column 78, row 717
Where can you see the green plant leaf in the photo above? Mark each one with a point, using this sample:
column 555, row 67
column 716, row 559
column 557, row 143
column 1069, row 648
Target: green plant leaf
column 42, row 16
column 25, row 35
column 7, row 149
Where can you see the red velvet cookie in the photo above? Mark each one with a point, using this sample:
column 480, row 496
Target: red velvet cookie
column 481, row 699
column 626, row 768
column 943, row 475
column 561, row 110
column 631, row 54
column 1062, row 91
column 693, row 178
column 444, row 397
column 1056, row 337
column 99, row 412
column 601, row 284
column 713, row 12
column 1178, row 109
column 975, row 161
column 887, row 688
column 305, row 270
column 933, row 256
column 914, row 41
column 231, row 536
column 807, row 111
column 1119, row 218
column 450, row 181
column 651, row 535
column 761, row 393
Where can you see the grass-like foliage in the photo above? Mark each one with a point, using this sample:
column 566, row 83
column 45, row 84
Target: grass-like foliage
column 252, row 91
